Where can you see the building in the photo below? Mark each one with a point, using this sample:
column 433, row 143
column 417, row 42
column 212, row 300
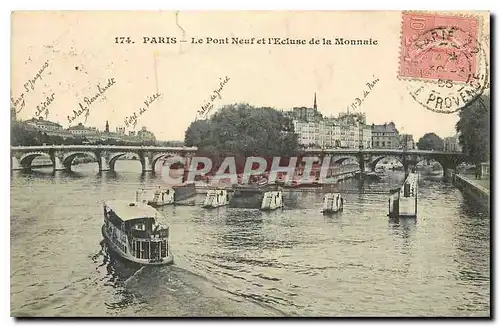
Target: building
column 43, row 125
column 13, row 113
column 452, row 144
column 406, row 141
column 385, row 136
column 120, row 130
column 145, row 135
column 80, row 130
column 348, row 130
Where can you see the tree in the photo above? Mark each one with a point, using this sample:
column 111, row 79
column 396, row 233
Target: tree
column 430, row 141
column 474, row 129
column 243, row 130
column 198, row 133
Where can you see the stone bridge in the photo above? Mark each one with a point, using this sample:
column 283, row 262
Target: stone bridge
column 368, row 158
column 105, row 155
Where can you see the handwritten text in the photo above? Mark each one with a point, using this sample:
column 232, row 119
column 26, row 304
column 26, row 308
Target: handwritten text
column 358, row 101
column 208, row 105
column 44, row 106
column 90, row 100
column 20, row 102
column 132, row 119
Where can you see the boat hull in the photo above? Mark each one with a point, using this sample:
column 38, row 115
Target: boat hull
column 159, row 204
column 165, row 261
column 328, row 212
column 184, row 192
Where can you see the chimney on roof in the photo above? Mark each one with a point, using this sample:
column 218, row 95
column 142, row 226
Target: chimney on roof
column 315, row 106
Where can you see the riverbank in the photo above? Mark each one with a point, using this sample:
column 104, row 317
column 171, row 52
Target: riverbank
column 477, row 189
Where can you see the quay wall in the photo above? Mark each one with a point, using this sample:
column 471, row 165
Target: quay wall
column 471, row 189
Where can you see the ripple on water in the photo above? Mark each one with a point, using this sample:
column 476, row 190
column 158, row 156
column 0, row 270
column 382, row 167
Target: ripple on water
column 244, row 262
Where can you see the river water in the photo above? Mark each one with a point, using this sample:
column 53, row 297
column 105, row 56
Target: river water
column 244, row 262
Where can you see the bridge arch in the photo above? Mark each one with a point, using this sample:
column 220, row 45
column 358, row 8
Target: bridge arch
column 69, row 157
column 161, row 156
column 339, row 160
column 27, row 159
column 377, row 159
column 113, row 157
column 431, row 159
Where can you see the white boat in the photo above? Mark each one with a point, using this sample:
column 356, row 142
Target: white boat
column 132, row 230
column 332, row 203
column 272, row 200
column 162, row 197
column 216, row 198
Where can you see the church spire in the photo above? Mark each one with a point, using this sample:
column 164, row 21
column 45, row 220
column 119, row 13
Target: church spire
column 315, row 105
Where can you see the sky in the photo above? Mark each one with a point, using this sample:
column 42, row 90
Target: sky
column 75, row 52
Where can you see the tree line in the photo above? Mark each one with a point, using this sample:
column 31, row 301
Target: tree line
column 473, row 127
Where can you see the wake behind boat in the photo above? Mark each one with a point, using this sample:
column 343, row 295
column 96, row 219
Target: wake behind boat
column 132, row 230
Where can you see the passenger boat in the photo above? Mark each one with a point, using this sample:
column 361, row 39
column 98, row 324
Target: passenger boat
column 216, row 198
column 132, row 230
column 333, row 202
column 162, row 197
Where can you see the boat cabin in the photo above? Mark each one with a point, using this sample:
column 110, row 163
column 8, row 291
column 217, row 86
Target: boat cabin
column 133, row 227
column 333, row 202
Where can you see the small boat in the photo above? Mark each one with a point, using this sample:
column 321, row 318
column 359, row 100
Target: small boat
column 132, row 230
column 216, row 198
column 162, row 197
column 272, row 200
column 333, row 202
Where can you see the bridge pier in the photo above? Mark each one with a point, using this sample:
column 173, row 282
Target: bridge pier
column 15, row 164
column 58, row 164
column 146, row 164
column 103, row 163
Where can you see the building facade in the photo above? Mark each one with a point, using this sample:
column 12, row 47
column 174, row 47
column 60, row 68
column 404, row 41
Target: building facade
column 348, row 130
column 385, row 136
column 44, row 125
column 80, row 130
column 406, row 141
column 452, row 144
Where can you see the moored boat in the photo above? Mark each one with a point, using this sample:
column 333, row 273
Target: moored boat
column 272, row 200
column 184, row 191
column 216, row 198
column 162, row 197
column 132, row 230
column 332, row 203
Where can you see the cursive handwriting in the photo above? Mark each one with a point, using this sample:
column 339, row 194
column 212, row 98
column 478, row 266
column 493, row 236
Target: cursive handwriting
column 19, row 102
column 132, row 119
column 208, row 106
column 358, row 101
column 44, row 106
column 88, row 101
column 30, row 84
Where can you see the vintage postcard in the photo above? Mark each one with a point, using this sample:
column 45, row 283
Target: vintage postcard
column 250, row 164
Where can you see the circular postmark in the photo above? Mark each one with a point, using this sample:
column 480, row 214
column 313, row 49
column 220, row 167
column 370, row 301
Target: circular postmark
column 449, row 69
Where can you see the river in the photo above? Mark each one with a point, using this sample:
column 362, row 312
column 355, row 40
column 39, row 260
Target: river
column 244, row 262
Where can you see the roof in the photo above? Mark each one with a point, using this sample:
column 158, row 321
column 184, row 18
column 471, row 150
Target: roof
column 42, row 121
column 385, row 128
column 129, row 210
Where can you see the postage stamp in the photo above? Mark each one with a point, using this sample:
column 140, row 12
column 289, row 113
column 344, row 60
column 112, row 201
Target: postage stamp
column 441, row 60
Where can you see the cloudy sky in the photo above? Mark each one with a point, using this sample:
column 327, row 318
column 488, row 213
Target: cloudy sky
column 80, row 51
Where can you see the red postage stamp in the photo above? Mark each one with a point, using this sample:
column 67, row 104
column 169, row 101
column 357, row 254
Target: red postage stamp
column 438, row 47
